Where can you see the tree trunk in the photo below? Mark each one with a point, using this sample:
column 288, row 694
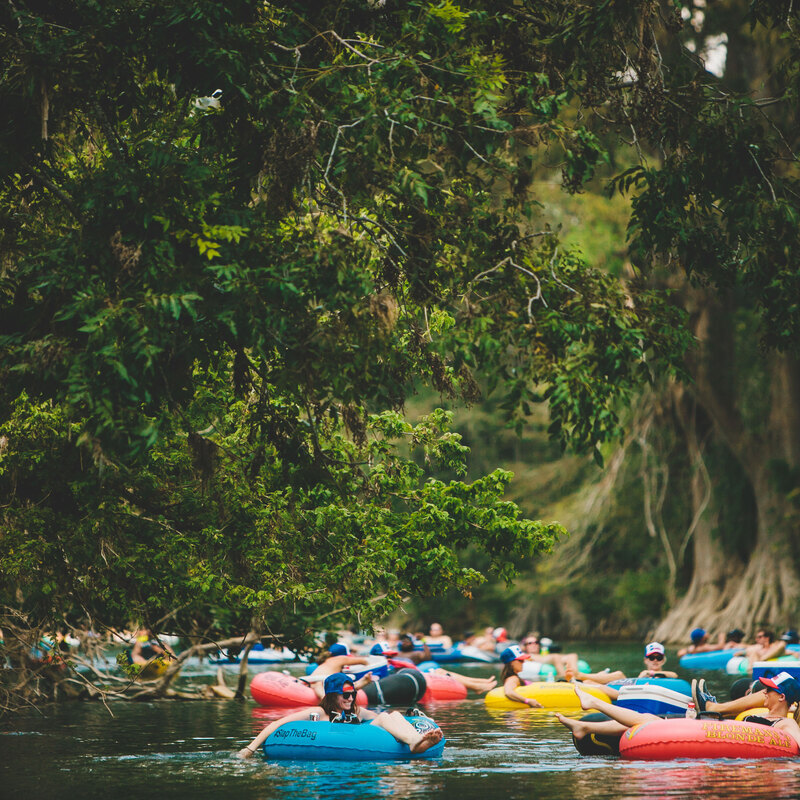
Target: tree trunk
column 767, row 448
column 716, row 574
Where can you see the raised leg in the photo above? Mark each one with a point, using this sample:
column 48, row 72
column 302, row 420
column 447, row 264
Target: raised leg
column 480, row 685
column 579, row 728
column 395, row 723
column 624, row 715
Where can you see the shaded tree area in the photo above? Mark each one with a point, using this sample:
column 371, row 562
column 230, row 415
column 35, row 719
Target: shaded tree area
column 215, row 304
column 235, row 237
column 695, row 519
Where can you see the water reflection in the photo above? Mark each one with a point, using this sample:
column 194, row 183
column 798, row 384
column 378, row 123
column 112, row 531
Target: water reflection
column 186, row 752
column 714, row 780
column 348, row 780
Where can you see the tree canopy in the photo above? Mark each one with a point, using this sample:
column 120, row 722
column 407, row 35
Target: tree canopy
column 237, row 236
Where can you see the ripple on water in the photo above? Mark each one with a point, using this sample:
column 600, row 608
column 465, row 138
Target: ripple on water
column 186, row 752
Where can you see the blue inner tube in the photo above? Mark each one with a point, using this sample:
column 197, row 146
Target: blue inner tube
column 714, row 659
column 328, row 741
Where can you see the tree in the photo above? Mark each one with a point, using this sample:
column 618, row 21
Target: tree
column 214, row 304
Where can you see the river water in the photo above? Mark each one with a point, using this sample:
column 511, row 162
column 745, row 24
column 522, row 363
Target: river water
column 179, row 749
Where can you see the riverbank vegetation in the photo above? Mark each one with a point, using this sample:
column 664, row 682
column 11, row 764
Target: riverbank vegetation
column 238, row 238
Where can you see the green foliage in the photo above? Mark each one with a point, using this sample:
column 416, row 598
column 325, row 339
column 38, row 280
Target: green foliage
column 212, row 309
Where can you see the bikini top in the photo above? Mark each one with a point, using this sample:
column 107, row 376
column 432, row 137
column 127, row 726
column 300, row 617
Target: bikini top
column 761, row 720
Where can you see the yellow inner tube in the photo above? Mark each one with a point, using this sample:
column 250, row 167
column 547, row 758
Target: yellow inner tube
column 550, row 695
column 156, row 668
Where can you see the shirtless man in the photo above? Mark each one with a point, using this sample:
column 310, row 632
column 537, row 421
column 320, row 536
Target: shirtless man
column 766, row 647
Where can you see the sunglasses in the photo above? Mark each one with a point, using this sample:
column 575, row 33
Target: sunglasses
column 655, row 657
column 531, row 641
column 349, row 695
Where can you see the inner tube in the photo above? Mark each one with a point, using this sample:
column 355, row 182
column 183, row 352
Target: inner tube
column 550, row 695
column 536, row 671
column 673, row 684
column 443, row 687
column 664, row 739
column 276, row 690
column 403, row 688
column 440, row 687
column 258, row 655
column 597, row 744
column 309, row 740
column 713, row 659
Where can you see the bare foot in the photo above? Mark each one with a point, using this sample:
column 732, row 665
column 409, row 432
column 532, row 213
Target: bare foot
column 586, row 700
column 569, row 674
column 577, row 728
column 489, row 684
column 428, row 740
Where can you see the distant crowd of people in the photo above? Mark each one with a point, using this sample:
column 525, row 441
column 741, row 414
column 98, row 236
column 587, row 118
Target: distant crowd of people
column 765, row 647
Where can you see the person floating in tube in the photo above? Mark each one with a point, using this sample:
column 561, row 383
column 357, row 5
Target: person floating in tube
column 512, row 658
column 777, row 694
column 339, row 705
column 655, row 658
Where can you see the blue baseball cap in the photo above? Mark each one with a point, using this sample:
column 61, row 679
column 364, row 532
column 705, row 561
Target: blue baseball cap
column 697, row 635
column 334, row 684
column 339, row 649
column 382, row 649
column 513, row 653
column 784, row 684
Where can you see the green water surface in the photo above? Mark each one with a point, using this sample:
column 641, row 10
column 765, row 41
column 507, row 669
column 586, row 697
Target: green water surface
column 178, row 749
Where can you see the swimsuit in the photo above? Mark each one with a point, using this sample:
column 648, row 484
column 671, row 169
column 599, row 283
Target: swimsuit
column 346, row 717
column 761, row 720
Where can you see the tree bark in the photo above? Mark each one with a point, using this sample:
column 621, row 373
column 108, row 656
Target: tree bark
column 767, row 591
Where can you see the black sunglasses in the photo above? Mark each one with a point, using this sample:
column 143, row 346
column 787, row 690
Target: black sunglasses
column 531, row 641
column 349, row 695
column 655, row 657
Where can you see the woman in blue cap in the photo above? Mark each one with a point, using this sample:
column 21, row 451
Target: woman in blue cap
column 335, row 659
column 339, row 705
column 512, row 658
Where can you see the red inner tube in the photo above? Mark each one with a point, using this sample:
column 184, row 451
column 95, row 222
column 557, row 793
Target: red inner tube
column 664, row 739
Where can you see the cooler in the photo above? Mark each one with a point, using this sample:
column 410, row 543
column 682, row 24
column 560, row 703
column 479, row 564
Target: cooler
column 650, row 699
column 768, row 668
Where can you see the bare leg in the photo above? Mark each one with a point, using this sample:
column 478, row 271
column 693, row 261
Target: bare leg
column 480, row 685
column 557, row 660
column 603, row 678
column 734, row 707
column 624, row 715
column 609, row 690
column 393, row 722
column 579, row 728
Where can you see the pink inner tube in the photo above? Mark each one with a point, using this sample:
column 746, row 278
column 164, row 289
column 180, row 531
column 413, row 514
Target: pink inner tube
column 664, row 739
column 442, row 687
column 276, row 690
